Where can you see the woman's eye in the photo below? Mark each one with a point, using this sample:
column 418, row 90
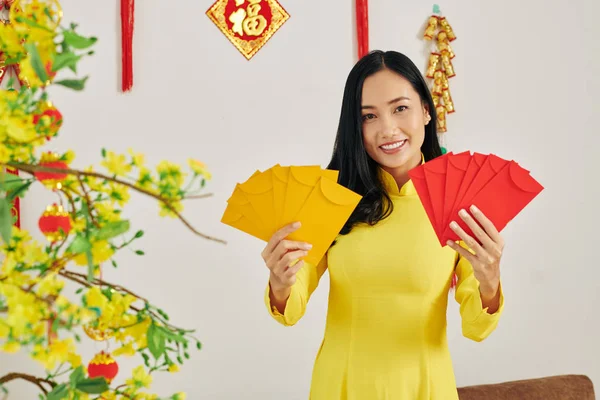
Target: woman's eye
column 368, row 116
column 401, row 108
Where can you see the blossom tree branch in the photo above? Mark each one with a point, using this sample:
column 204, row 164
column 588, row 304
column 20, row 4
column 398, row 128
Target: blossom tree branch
column 32, row 169
column 29, row 378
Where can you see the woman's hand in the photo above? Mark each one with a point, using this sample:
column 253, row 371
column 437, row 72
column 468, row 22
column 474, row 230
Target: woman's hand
column 486, row 247
column 283, row 258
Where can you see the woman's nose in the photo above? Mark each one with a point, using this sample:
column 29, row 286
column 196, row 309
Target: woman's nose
column 388, row 127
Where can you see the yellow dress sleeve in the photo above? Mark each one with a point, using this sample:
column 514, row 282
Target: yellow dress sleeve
column 307, row 280
column 477, row 323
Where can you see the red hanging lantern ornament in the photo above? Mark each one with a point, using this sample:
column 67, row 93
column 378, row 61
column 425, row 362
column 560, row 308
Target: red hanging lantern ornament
column 51, row 119
column 55, row 223
column 127, row 20
column 51, row 179
column 103, row 365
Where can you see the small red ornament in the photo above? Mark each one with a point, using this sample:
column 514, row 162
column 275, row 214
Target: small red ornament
column 55, row 223
column 55, row 117
column 51, row 179
column 103, row 365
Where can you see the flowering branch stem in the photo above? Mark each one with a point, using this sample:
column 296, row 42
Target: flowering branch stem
column 29, row 378
column 31, row 169
column 88, row 201
column 82, row 280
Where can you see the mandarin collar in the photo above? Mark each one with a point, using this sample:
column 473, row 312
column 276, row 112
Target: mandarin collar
column 391, row 186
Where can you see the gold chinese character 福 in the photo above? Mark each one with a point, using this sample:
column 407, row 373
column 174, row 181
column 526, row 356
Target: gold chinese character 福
column 237, row 18
column 254, row 24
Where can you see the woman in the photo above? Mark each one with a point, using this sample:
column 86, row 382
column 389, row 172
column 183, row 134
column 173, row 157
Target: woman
column 385, row 336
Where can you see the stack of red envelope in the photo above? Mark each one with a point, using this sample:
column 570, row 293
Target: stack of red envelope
column 447, row 184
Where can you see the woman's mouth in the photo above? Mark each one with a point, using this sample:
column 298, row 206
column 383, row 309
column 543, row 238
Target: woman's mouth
column 393, row 147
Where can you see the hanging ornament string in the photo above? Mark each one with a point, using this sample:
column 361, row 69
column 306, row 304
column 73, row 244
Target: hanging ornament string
column 127, row 22
column 362, row 27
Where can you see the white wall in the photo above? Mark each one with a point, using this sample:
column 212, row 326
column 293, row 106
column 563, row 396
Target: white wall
column 525, row 89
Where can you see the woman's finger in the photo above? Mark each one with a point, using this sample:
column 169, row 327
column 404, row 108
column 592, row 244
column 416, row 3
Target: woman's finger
column 278, row 237
column 463, row 252
column 293, row 270
column 468, row 240
column 489, row 227
column 477, row 230
column 287, row 260
column 285, row 246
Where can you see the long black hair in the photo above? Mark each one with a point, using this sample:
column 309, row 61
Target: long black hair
column 357, row 170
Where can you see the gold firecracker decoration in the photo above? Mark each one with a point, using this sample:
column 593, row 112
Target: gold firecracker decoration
column 440, row 67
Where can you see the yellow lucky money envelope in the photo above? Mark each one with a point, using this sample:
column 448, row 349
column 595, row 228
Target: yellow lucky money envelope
column 323, row 215
column 269, row 200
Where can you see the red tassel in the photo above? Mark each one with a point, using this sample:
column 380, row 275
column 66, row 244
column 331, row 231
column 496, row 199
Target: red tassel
column 16, row 206
column 127, row 12
column 454, row 281
column 362, row 27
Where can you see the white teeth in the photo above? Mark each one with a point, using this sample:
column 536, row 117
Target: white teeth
column 393, row 146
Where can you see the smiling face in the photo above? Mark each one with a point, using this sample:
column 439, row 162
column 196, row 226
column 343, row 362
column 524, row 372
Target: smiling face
column 393, row 123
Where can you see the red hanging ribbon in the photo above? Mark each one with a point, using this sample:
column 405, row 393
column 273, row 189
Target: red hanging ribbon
column 127, row 12
column 16, row 207
column 362, row 27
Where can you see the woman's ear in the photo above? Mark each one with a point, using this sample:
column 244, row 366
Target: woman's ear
column 426, row 115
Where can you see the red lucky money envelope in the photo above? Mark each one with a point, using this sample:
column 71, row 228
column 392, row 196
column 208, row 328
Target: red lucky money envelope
column 507, row 194
column 435, row 176
column 491, row 166
column 447, row 184
column 455, row 173
column 417, row 176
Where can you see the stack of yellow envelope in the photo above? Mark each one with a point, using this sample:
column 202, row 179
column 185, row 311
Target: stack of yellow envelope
column 269, row 200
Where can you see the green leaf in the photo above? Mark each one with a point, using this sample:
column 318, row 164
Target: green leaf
column 36, row 61
column 146, row 359
column 77, row 41
column 90, row 261
column 67, row 59
column 80, row 245
column 10, row 182
column 156, row 341
column 31, row 23
column 75, row 84
column 164, row 315
column 19, row 192
column 172, row 336
column 78, row 291
column 103, row 152
column 55, row 325
column 139, row 234
column 114, row 263
column 59, row 392
column 93, row 385
column 6, row 220
column 199, row 345
column 77, row 376
column 139, row 252
column 111, row 229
